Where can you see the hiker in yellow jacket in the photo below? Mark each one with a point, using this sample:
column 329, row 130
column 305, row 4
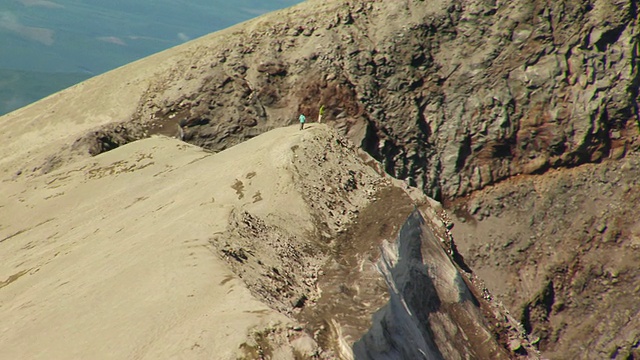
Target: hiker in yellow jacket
column 320, row 113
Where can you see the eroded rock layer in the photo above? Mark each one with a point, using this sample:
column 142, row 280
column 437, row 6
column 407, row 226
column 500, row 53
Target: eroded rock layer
column 451, row 95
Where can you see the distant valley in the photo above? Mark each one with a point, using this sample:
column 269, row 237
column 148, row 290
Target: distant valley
column 50, row 45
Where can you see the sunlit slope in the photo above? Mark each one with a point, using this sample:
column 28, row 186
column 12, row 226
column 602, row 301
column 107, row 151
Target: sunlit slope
column 110, row 257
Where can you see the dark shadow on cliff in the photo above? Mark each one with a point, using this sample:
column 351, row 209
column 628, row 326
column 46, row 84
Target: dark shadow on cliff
column 400, row 329
column 428, row 298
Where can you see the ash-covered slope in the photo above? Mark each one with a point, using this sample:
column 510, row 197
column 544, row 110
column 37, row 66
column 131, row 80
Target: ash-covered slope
column 112, row 257
column 159, row 249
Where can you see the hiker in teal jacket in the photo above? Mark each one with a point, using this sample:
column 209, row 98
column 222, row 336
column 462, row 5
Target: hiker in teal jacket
column 302, row 120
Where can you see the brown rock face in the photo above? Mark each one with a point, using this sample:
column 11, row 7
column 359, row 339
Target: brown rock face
column 455, row 96
column 561, row 251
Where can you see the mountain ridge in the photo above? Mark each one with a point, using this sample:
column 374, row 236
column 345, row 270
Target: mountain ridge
column 464, row 100
column 161, row 249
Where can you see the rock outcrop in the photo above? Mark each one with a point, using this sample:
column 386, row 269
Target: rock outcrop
column 561, row 251
column 454, row 96
column 431, row 314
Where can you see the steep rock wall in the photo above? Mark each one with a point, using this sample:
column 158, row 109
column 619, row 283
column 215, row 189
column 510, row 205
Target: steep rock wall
column 450, row 95
column 431, row 313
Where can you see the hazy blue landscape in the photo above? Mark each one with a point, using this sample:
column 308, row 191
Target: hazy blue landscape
column 46, row 46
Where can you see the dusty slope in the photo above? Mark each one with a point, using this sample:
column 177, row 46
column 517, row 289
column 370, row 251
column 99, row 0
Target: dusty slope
column 111, row 257
column 123, row 255
column 159, row 249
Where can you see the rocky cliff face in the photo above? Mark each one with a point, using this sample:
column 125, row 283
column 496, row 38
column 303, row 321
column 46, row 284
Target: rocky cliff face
column 451, row 95
column 431, row 313
column 561, row 251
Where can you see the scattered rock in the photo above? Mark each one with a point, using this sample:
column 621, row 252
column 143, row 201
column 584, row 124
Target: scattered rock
column 515, row 345
column 305, row 346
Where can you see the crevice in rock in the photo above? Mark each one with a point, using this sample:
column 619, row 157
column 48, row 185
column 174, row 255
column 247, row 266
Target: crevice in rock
column 463, row 153
column 109, row 137
column 410, row 325
column 542, row 302
column 609, row 37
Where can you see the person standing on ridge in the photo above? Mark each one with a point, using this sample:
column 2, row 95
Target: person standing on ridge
column 302, row 120
column 320, row 113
